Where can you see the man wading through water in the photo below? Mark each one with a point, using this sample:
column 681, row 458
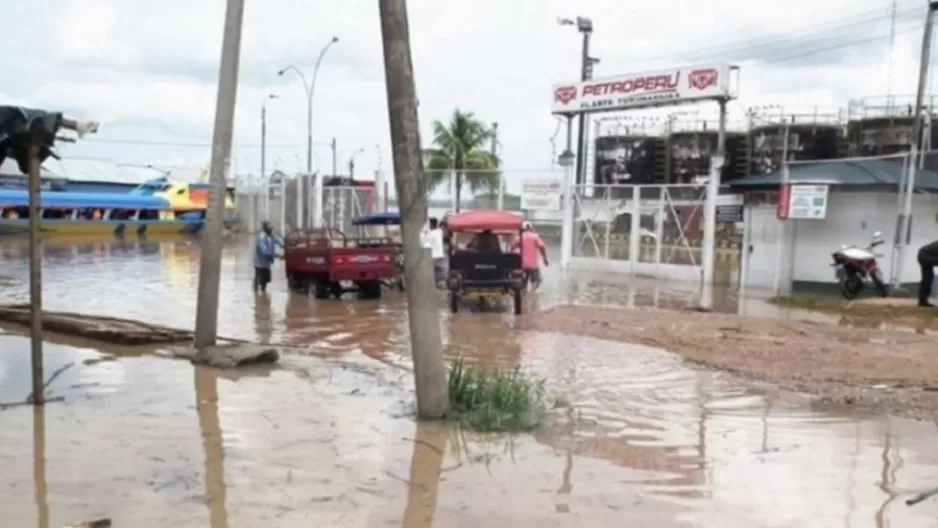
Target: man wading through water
column 532, row 247
column 264, row 256
column 927, row 259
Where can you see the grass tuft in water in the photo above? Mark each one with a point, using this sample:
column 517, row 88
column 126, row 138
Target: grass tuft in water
column 489, row 399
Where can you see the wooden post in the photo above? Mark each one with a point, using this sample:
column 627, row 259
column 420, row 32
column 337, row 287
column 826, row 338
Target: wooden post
column 35, row 276
column 422, row 304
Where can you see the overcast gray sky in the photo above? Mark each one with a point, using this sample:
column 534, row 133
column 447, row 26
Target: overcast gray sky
column 148, row 69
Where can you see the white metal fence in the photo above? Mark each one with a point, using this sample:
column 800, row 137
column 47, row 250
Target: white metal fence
column 653, row 230
column 292, row 203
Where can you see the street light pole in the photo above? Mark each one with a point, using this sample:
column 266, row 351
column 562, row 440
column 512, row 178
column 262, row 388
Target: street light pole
column 310, row 88
column 264, row 181
column 351, row 163
column 585, row 26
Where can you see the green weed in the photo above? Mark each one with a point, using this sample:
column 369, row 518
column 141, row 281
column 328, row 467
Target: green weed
column 489, row 399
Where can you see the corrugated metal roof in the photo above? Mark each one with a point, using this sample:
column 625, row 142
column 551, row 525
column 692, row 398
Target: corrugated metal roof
column 859, row 173
column 10, row 168
column 99, row 171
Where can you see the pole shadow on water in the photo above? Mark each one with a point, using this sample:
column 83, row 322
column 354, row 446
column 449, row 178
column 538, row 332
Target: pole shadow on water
column 206, row 396
column 426, row 465
column 263, row 320
column 39, row 466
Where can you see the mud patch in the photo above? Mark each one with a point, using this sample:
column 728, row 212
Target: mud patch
column 892, row 371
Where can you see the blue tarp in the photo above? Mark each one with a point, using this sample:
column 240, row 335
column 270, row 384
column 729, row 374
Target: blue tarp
column 385, row 218
column 73, row 200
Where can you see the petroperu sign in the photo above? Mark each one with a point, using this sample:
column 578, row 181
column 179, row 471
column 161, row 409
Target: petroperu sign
column 642, row 90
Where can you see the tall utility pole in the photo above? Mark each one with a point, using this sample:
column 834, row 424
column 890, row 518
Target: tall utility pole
column 206, row 316
column 585, row 27
column 264, row 180
column 425, row 336
column 908, row 185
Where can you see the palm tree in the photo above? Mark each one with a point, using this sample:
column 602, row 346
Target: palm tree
column 460, row 146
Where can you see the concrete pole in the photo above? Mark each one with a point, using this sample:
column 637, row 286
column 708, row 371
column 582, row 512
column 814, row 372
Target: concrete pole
column 264, row 183
column 381, row 196
column 422, row 300
column 710, row 210
column 501, row 177
column 35, row 276
column 335, row 158
column 206, row 318
column 782, row 238
column 908, row 186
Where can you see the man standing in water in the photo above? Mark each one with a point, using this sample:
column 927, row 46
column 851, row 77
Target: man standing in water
column 533, row 250
column 928, row 260
column 264, row 256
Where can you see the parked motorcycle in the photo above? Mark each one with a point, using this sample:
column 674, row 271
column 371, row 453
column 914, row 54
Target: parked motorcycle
column 856, row 268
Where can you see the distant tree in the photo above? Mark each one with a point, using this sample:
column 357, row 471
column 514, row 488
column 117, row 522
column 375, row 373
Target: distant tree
column 461, row 146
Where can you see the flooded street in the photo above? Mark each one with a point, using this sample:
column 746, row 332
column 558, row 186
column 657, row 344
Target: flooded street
column 327, row 438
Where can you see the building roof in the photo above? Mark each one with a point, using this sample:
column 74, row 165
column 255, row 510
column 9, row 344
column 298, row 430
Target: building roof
column 74, row 200
column 857, row 173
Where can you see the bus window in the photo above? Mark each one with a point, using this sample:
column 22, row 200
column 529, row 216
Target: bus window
column 148, row 214
column 57, row 214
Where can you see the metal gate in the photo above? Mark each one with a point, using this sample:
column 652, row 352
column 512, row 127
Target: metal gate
column 341, row 204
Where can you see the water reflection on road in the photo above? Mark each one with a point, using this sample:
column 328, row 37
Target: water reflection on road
column 327, row 439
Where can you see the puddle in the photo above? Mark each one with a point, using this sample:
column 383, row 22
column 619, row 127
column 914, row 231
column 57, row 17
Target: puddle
column 327, row 439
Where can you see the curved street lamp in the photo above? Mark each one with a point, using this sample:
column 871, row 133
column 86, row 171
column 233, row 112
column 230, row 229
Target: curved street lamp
column 310, row 88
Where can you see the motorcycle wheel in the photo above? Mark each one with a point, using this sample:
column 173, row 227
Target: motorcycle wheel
column 850, row 287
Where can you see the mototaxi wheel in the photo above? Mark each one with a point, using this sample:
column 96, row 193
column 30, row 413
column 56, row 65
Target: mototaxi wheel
column 321, row 288
column 518, row 296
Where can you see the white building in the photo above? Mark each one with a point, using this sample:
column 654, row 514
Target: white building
column 863, row 198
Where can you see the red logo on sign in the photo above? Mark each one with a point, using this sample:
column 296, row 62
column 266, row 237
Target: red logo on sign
column 565, row 94
column 703, row 79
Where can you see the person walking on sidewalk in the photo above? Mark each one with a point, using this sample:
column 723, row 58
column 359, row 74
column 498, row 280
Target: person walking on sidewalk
column 928, row 260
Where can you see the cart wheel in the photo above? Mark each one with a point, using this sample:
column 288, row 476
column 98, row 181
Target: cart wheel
column 321, row 289
column 336, row 289
column 369, row 290
column 453, row 301
column 519, row 301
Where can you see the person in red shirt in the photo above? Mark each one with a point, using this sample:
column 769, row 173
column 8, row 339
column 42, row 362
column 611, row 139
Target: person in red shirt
column 532, row 251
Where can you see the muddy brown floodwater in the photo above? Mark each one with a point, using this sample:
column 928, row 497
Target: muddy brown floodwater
column 327, row 439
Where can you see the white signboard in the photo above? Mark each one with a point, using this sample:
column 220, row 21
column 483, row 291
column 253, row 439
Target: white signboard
column 808, row 202
column 541, row 195
column 642, row 90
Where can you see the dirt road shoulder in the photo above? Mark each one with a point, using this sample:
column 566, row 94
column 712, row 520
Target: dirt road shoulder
column 892, row 371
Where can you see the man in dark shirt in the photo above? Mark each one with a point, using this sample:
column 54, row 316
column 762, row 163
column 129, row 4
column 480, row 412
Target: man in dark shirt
column 928, row 260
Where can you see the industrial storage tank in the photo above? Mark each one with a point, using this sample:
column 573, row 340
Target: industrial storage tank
column 882, row 126
column 692, row 143
column 813, row 134
column 624, row 159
